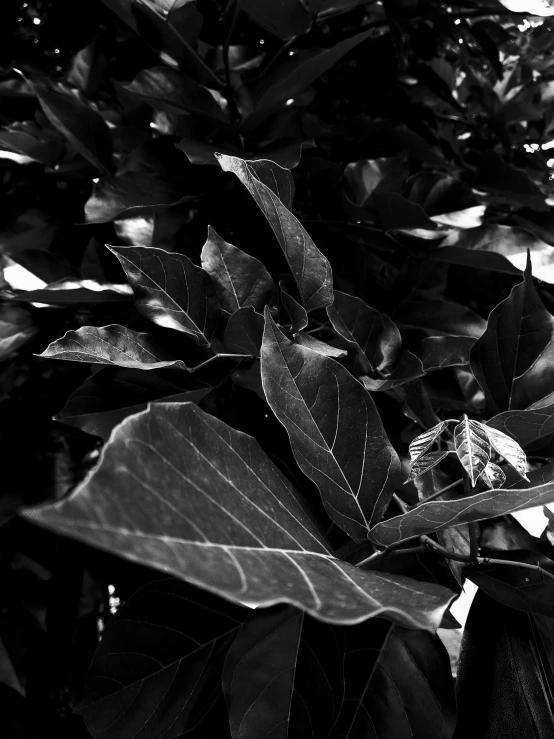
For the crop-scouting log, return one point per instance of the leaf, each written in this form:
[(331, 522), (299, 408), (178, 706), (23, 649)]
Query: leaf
[(408, 369), (311, 270), (110, 345), (293, 79), (335, 430), (475, 258), (473, 447), (493, 475), (369, 175), (286, 156), (437, 515), (315, 345), (17, 327), (156, 669), (513, 361), (109, 396), (441, 318), (425, 463), (130, 195), (507, 448), (297, 314), (239, 279), (170, 290), (396, 212), (375, 335), (85, 130), (76, 291), (422, 443), (289, 18), (244, 331), (178, 490), (46, 151), (456, 540), (529, 427), (437, 352), (494, 174)]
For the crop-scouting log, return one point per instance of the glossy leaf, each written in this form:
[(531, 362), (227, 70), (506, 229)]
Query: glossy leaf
[(156, 669), (178, 490), (493, 475), (509, 449), (425, 441), (437, 515), (239, 279), (335, 430), (244, 331), (425, 463), (473, 447), (110, 345), (170, 290), (311, 270), (514, 359), (437, 352)]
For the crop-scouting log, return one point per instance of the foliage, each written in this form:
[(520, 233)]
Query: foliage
[(276, 367)]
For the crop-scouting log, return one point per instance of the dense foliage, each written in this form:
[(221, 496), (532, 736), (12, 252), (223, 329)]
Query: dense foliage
[(277, 365)]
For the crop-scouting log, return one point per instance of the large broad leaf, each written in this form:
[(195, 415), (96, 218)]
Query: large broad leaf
[(111, 345), (158, 666), (437, 352), (473, 447), (170, 290), (335, 430), (514, 359), (239, 279), (438, 514), (271, 187), (85, 130), (180, 491), (531, 427), (375, 335)]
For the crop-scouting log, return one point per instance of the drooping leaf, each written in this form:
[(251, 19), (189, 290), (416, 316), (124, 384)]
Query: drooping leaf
[(311, 270), (507, 448), (244, 331), (530, 427), (375, 335), (170, 290), (437, 515), (425, 463), (111, 344), (335, 430), (396, 212), (514, 359), (158, 666), (473, 447), (425, 441), (84, 129), (493, 475), (179, 490), (239, 279), (437, 352)]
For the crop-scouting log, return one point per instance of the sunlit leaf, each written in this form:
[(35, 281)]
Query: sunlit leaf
[(507, 448), (310, 342), (425, 463), (179, 490), (335, 430), (473, 447), (425, 441), (493, 475)]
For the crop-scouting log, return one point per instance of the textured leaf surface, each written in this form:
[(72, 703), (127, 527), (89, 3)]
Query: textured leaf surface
[(425, 463), (153, 672), (271, 188), (507, 448), (321, 347), (493, 475), (437, 515), (437, 352), (425, 441), (170, 290), (514, 359), (239, 279), (335, 430), (110, 345), (473, 447), (180, 491)]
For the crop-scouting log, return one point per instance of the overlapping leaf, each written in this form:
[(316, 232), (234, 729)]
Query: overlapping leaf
[(297, 314), (271, 187), (426, 463), (335, 430), (180, 491), (437, 352), (239, 279), (473, 447), (530, 427), (244, 331), (493, 475), (170, 290), (437, 515), (514, 359), (111, 345), (422, 443), (507, 448)]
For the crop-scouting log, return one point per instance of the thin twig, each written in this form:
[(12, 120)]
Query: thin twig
[(514, 563), (438, 493), (219, 356)]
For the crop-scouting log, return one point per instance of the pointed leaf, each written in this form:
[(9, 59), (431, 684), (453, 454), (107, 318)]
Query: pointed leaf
[(425, 441), (156, 669), (425, 463), (473, 447), (530, 427), (178, 490), (507, 448), (408, 369), (514, 359), (493, 475), (437, 352), (311, 270), (239, 279), (310, 342), (170, 290), (244, 331), (297, 314), (375, 335), (335, 430), (436, 515), (110, 345)]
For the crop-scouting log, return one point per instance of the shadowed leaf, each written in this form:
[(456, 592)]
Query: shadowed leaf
[(437, 352), (244, 331)]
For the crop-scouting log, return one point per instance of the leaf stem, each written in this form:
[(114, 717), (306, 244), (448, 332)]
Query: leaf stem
[(437, 493), (389, 552), (219, 356), (473, 527)]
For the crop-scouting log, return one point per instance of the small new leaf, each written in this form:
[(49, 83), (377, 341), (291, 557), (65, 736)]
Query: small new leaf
[(472, 447), (509, 449), (425, 441), (493, 475), (425, 463)]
